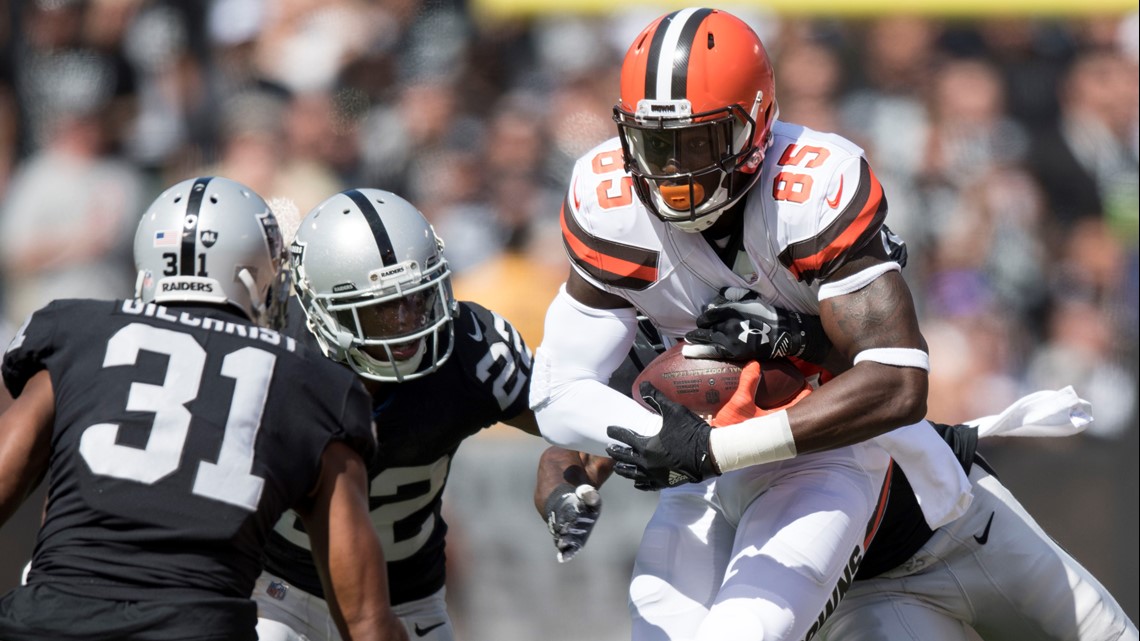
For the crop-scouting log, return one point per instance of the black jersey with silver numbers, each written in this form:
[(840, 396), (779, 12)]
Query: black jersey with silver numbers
[(181, 435), (420, 424)]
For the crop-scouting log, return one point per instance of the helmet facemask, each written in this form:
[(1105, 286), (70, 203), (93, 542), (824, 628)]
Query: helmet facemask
[(388, 333), (689, 168)]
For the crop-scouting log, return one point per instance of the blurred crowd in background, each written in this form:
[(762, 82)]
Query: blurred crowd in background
[(1008, 150)]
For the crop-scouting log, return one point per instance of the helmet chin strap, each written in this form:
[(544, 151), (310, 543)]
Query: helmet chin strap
[(139, 280), (376, 369), (256, 306)]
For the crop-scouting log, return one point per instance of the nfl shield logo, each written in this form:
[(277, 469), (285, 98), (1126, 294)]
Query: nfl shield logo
[(209, 238), (277, 590)]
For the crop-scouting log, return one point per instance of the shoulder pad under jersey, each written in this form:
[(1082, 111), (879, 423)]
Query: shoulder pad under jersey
[(34, 342), (608, 234), (828, 203), (494, 357)]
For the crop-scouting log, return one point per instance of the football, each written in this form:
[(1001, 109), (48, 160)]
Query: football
[(704, 385)]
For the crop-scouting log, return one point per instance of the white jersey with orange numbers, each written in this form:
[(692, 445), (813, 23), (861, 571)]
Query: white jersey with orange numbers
[(815, 203)]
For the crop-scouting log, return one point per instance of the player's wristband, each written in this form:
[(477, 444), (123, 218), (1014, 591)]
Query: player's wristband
[(759, 440), (897, 356)]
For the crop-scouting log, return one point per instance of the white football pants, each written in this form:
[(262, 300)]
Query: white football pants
[(762, 553), (993, 570), (291, 614)]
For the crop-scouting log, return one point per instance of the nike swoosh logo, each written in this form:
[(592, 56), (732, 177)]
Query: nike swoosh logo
[(421, 632), (574, 195), (476, 335), (985, 535), (834, 202)]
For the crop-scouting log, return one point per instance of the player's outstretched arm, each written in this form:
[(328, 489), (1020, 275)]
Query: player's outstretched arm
[(25, 443), (566, 496), (346, 550), (587, 335)]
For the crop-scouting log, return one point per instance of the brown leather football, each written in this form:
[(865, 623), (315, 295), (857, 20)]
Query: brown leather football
[(705, 385)]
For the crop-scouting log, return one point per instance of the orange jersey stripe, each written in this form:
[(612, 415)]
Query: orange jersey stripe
[(852, 236), (638, 267), (880, 509), (858, 224)]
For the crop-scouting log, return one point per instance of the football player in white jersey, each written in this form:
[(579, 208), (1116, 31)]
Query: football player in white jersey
[(703, 189), (992, 573)]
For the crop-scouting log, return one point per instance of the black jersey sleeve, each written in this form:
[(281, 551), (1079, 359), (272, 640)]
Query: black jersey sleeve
[(357, 429), (30, 348), (495, 358), (337, 402)]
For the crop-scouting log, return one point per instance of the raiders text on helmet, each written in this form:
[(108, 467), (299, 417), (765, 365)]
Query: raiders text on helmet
[(213, 240)]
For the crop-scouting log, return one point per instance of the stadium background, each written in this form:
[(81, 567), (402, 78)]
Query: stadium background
[(1004, 132)]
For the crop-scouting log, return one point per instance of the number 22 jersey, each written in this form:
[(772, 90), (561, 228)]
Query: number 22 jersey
[(419, 425)]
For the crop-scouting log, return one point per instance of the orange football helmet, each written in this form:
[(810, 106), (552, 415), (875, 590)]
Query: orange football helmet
[(697, 105)]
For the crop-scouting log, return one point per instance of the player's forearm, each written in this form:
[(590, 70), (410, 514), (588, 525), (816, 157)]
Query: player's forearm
[(358, 578), (875, 324), (25, 443), (348, 554), (558, 466), (868, 400), (581, 348), (577, 417)]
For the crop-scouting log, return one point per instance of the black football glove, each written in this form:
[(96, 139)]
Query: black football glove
[(678, 454), (737, 325), (570, 516)]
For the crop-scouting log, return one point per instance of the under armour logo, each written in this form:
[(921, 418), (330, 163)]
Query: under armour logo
[(746, 330)]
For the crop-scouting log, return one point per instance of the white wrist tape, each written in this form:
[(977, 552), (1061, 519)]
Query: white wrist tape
[(897, 356), (759, 440)]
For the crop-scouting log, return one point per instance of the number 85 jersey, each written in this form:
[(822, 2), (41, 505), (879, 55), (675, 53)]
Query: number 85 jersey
[(815, 204), (419, 425)]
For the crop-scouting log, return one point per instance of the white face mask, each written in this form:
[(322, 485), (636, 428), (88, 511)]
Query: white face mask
[(394, 370)]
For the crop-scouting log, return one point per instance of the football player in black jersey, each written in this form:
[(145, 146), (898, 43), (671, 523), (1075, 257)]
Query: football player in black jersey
[(174, 430), (375, 289)]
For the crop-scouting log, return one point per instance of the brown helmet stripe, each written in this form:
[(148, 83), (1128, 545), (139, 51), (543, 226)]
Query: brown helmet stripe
[(652, 60), (681, 53), (667, 65)]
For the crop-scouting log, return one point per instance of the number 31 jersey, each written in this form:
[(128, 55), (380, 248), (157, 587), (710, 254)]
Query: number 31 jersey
[(181, 435), (420, 424)]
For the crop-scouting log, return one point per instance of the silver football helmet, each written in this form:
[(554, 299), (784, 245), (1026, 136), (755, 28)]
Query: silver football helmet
[(213, 240), (374, 284)]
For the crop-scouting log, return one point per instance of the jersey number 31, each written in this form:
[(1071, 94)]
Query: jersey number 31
[(229, 480)]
